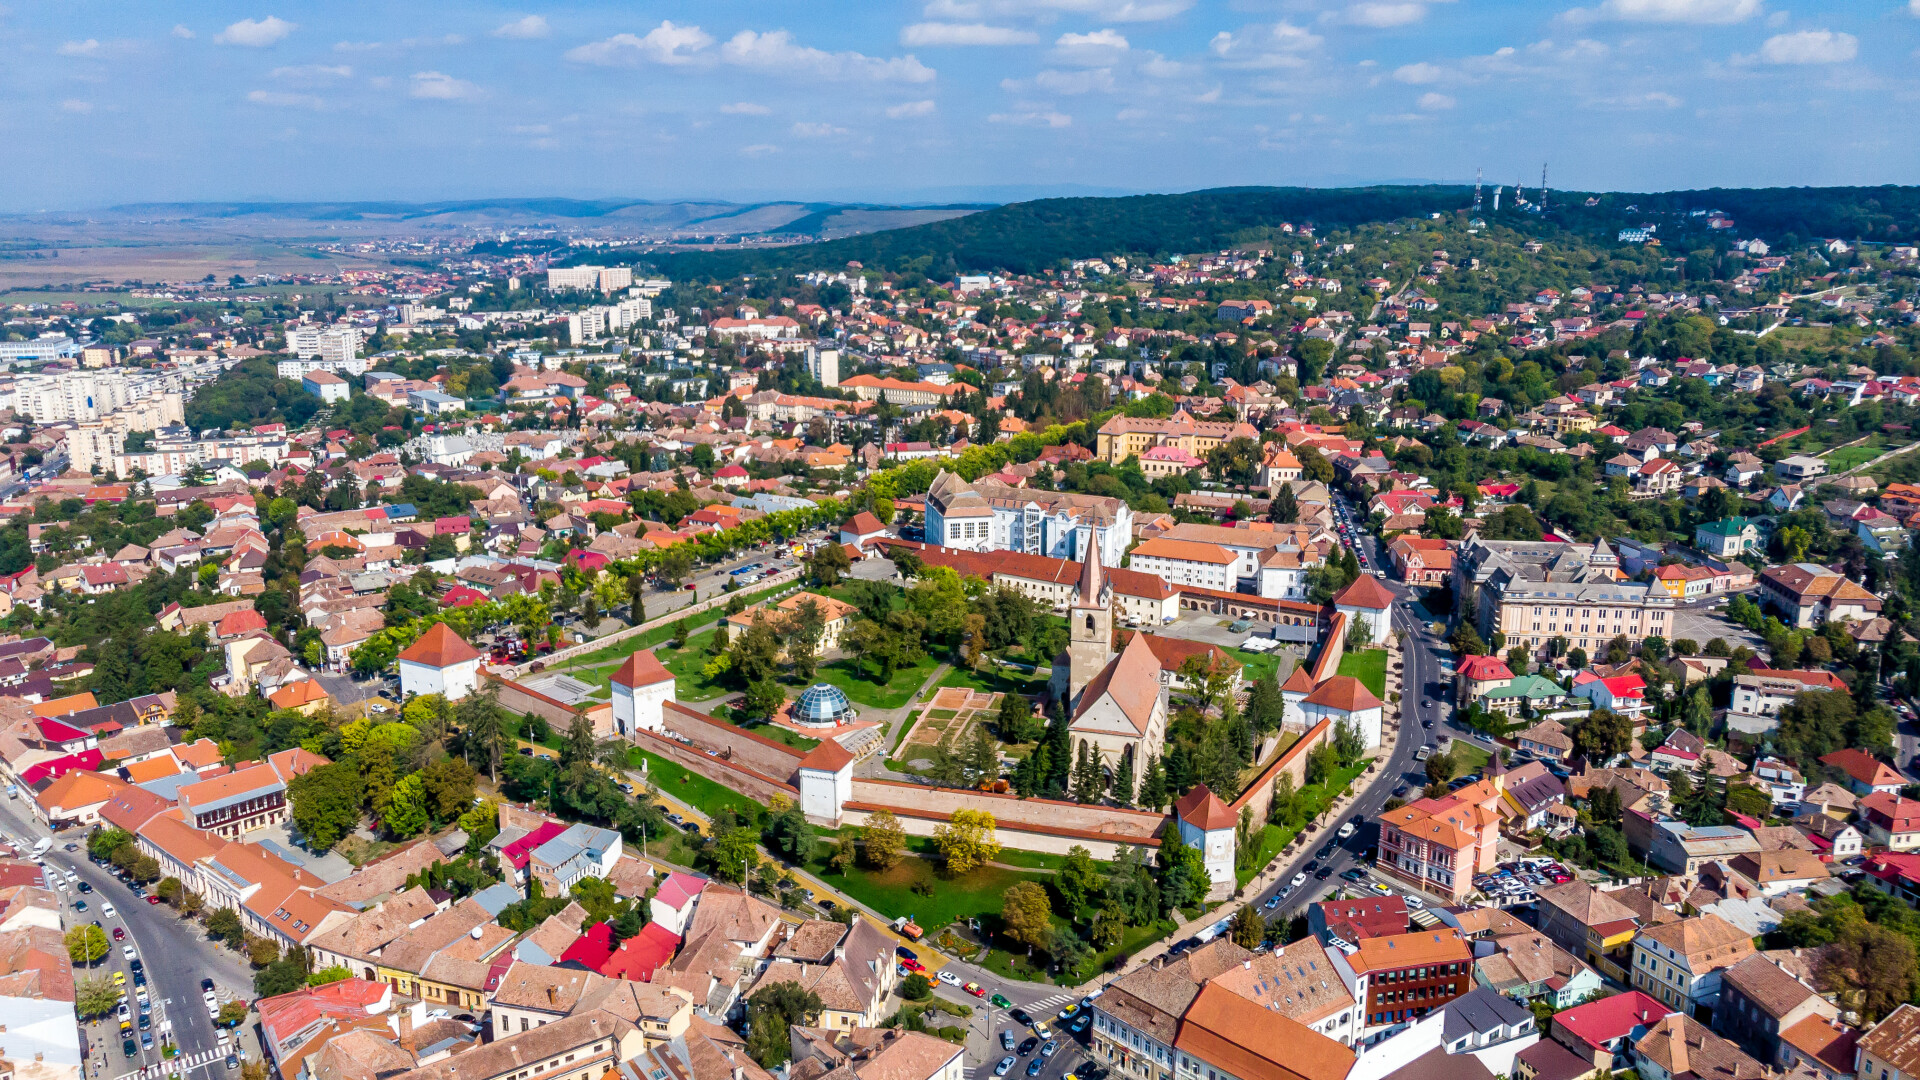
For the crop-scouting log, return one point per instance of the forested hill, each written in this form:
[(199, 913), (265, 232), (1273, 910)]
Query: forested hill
[(1030, 236)]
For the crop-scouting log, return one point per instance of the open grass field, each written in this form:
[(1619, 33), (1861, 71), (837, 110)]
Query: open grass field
[(1467, 758), (1848, 457), (1257, 666), (942, 898), (1370, 667), (856, 678)]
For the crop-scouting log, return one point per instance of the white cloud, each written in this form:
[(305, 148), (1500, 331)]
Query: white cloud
[(759, 150), (1278, 45), (1094, 49), (434, 86), (1695, 12), (1101, 10), (1914, 6), (1419, 74), (89, 47), (1809, 47), (525, 28), (255, 33), (1383, 13), (943, 33), (664, 44), (1032, 118), (312, 72), (909, 108), (1075, 82), (776, 52), (75, 105), (180, 31), (1431, 102), (279, 99), (745, 108), (808, 130)]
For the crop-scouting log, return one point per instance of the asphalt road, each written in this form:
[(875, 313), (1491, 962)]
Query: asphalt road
[(177, 955)]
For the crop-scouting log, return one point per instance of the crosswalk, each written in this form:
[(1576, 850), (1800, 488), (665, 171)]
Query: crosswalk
[(1042, 1009), (179, 1066)]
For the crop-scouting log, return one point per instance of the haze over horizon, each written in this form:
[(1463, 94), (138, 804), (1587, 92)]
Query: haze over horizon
[(946, 100)]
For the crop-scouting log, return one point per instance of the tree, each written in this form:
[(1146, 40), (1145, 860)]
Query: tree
[(483, 728), (233, 1013), (1440, 768), (448, 788), (788, 834), (1247, 929), (1870, 966), (1015, 719), (1078, 879), (224, 925), (87, 943), (1602, 735), (326, 803), (1286, 800), (1153, 788), (828, 563), (94, 997), (775, 1009), (1089, 778), (916, 987), (1466, 641), (885, 840), (407, 813), (1348, 743), (1026, 916), (731, 852), (966, 841)]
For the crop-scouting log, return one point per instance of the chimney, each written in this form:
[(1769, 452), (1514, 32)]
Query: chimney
[(406, 1030), (739, 1072)]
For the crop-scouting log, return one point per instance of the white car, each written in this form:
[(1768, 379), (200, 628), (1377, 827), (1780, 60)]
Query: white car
[(72, 878), (1348, 830), (949, 978), (1299, 879), (107, 910), (127, 951)]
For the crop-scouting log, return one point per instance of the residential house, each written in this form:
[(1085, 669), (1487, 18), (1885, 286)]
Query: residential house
[(1681, 963)]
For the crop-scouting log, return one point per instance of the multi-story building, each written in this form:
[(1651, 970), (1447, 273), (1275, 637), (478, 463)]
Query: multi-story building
[(990, 516), (1224, 1036), (584, 1046), (1808, 594), (1733, 537), (336, 347), (247, 799), (1301, 982), (584, 278), (1399, 978), (1759, 1000), (1533, 592), (1592, 925), (1128, 436), (1183, 562), (1680, 963), (1138, 599), (1438, 845), (1137, 1020)]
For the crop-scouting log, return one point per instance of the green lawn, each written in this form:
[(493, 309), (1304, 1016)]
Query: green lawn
[(620, 650), (994, 679), (1850, 456), (1370, 667), (891, 891), (1468, 758), (855, 677), (676, 782), (1256, 665)]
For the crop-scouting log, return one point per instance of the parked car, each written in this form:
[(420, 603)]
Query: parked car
[(975, 989), (949, 978), (1346, 831), (1006, 1039), (1005, 1067)]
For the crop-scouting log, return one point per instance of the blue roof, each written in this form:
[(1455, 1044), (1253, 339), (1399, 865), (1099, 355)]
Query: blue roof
[(821, 703), (497, 897)]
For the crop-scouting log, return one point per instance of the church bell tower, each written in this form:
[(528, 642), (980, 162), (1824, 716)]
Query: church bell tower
[(1091, 622)]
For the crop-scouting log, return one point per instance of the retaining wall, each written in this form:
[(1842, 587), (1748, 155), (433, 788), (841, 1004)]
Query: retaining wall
[(719, 599), (520, 699), (917, 824), (1026, 821)]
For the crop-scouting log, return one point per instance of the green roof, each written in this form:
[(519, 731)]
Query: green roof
[(1730, 527), (1527, 686)]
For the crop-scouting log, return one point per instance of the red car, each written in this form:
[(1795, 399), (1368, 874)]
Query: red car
[(152, 899), (975, 989), (119, 934)]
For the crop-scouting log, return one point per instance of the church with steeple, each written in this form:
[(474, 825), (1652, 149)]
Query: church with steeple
[(1116, 701)]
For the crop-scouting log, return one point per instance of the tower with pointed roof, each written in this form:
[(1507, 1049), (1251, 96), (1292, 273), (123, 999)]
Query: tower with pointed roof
[(640, 688), (1091, 622)]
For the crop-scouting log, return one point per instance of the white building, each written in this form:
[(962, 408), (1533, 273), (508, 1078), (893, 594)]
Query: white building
[(326, 386), (826, 781), (641, 689), (1207, 826), (337, 347), (439, 663), (989, 516), (1183, 562), (824, 365), (604, 278)]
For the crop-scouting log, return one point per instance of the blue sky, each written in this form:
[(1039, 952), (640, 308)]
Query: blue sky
[(942, 99)]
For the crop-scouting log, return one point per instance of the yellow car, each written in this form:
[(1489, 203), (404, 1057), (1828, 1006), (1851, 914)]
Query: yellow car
[(119, 978)]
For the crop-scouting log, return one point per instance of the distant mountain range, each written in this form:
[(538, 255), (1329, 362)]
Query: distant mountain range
[(668, 218)]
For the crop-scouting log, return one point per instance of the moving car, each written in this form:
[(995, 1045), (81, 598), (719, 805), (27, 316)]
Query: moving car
[(975, 989), (1000, 1001), (1020, 1017), (1005, 1067), (1067, 1013), (1298, 880), (1006, 1039), (1079, 1024), (119, 934), (1028, 1045), (1034, 1066), (949, 978), (1047, 1050), (108, 911)]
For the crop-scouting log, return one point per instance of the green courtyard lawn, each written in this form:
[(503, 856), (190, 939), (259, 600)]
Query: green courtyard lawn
[(1256, 666), (994, 679), (613, 655), (677, 782), (856, 678), (1370, 667)]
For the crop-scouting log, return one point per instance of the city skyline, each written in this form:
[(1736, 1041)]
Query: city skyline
[(948, 99)]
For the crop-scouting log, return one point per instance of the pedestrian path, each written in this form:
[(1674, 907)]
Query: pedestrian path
[(1047, 1006), (179, 1066)]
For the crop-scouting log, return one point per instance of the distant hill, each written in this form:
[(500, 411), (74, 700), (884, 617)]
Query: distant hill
[(1031, 236)]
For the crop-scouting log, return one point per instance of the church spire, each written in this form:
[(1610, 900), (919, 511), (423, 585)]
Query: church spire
[(1092, 580)]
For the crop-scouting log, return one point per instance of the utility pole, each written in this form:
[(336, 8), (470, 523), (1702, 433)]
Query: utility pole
[(1476, 190), (1543, 187)]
